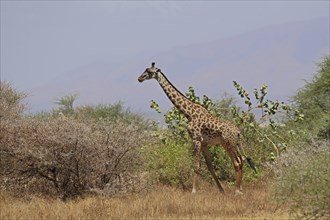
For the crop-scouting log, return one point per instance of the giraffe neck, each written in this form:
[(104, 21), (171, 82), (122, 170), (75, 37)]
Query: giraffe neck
[(177, 98)]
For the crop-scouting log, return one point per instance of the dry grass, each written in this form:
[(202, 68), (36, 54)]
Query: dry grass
[(165, 203)]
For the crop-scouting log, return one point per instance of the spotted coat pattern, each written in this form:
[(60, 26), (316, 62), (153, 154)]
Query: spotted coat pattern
[(204, 129)]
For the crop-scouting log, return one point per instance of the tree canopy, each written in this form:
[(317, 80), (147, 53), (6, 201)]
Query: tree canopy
[(313, 100)]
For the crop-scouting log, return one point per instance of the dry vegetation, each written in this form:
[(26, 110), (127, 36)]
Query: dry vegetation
[(66, 158), (106, 162), (163, 203)]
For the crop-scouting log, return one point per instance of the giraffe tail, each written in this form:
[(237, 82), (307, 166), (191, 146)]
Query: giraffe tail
[(251, 164), (248, 159)]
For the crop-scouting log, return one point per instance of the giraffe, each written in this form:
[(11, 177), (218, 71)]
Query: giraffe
[(204, 129)]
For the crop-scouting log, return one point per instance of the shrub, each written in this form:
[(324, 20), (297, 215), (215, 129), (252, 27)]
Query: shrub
[(70, 151), (302, 175), (11, 105), (109, 112), (100, 112), (67, 158), (314, 101), (170, 162)]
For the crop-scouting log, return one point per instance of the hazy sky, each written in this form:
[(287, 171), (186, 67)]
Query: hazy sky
[(44, 39)]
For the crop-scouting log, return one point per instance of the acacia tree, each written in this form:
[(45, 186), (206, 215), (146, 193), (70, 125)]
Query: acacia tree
[(66, 103), (302, 173), (314, 101)]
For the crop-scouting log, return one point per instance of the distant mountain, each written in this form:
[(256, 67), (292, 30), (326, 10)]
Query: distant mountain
[(281, 56)]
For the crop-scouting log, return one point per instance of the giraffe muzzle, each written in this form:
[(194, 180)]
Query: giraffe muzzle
[(140, 79)]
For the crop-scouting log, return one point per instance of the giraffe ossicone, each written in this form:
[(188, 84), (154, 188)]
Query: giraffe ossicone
[(204, 129)]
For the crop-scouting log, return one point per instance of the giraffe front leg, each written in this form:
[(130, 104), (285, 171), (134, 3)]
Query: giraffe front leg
[(197, 151)]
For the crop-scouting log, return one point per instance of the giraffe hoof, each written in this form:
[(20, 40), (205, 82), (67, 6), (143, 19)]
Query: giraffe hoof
[(222, 191), (238, 192)]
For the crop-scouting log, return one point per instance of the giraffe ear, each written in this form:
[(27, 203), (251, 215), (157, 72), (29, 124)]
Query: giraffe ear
[(159, 70)]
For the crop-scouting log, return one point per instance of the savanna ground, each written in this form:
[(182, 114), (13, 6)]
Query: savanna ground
[(163, 203), (107, 162)]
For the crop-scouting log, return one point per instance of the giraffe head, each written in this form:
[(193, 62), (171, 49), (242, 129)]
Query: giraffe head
[(149, 73)]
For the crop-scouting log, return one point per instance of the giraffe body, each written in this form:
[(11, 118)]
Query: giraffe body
[(204, 129)]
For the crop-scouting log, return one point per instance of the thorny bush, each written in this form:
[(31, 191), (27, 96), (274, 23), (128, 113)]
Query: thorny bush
[(67, 158), (302, 180)]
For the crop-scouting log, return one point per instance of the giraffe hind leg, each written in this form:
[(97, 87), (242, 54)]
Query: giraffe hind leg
[(208, 160), (238, 165)]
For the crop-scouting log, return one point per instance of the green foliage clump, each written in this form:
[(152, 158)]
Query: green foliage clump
[(170, 162), (313, 100), (96, 113), (266, 132), (108, 112)]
